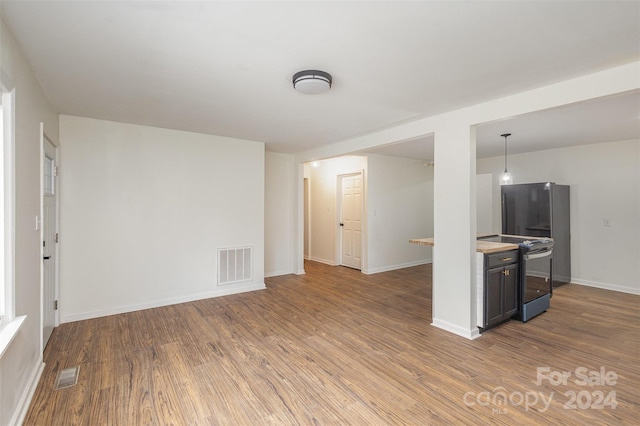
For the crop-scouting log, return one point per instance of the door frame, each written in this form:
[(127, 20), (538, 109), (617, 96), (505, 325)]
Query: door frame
[(307, 218), (43, 139), (338, 239)]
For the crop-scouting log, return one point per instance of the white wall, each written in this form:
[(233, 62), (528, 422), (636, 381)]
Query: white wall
[(400, 207), (454, 217), (144, 210), (605, 183), (323, 194), (484, 203), (279, 214), (21, 364)]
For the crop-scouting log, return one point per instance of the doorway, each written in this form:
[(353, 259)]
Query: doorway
[(321, 181), (49, 236)]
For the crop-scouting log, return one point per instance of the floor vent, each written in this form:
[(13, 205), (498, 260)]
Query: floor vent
[(67, 378), (234, 265)]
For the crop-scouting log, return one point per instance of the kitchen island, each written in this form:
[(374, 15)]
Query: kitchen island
[(485, 247), (497, 281)]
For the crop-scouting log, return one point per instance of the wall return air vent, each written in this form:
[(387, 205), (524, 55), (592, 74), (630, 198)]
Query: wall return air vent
[(234, 265)]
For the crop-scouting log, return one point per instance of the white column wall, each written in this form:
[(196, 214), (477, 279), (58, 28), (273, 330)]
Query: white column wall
[(144, 211), (454, 253), (280, 226)]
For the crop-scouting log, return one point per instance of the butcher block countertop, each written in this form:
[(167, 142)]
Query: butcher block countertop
[(481, 246)]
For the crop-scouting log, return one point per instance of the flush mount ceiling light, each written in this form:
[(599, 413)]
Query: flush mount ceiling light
[(505, 178), (312, 82)]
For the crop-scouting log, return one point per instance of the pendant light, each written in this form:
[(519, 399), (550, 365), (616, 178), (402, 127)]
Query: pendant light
[(505, 178)]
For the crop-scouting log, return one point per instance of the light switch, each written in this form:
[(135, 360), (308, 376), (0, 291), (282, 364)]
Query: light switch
[(606, 222)]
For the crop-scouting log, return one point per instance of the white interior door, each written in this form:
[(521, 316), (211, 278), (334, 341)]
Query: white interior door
[(49, 240), (351, 220)]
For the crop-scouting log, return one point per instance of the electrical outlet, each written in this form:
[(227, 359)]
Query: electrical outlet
[(606, 222)]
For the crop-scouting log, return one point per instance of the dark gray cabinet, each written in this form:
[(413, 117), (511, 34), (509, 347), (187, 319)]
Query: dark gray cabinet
[(501, 284)]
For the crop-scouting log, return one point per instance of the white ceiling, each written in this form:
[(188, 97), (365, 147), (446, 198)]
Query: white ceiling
[(607, 119), (225, 67)]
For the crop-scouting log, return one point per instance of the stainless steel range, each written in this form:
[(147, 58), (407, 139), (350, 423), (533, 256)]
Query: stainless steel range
[(536, 273), (536, 277)]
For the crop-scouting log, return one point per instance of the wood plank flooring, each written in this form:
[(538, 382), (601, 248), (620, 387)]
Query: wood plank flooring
[(336, 347)]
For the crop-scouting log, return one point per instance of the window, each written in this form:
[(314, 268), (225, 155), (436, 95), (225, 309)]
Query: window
[(48, 176)]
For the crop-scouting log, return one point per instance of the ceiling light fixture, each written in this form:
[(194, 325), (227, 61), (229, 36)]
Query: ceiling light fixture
[(505, 178), (312, 82)]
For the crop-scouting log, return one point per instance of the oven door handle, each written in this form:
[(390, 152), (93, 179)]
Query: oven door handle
[(538, 255)]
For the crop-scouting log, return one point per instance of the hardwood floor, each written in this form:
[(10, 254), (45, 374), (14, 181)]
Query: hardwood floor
[(339, 347)]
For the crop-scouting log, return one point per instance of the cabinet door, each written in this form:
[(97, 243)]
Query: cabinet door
[(510, 295), (493, 294)]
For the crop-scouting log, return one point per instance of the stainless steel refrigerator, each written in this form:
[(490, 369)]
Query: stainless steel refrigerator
[(541, 210)]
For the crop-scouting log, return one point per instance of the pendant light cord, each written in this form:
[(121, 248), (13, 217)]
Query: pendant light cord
[(505, 136), (505, 154)]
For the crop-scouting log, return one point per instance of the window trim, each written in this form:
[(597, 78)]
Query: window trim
[(9, 331), (9, 324)]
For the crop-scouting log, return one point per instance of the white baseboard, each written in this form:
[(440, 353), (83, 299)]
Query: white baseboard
[(470, 334), (293, 270), (278, 273), (326, 262), (27, 395), (371, 271), (605, 286), (219, 291)]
